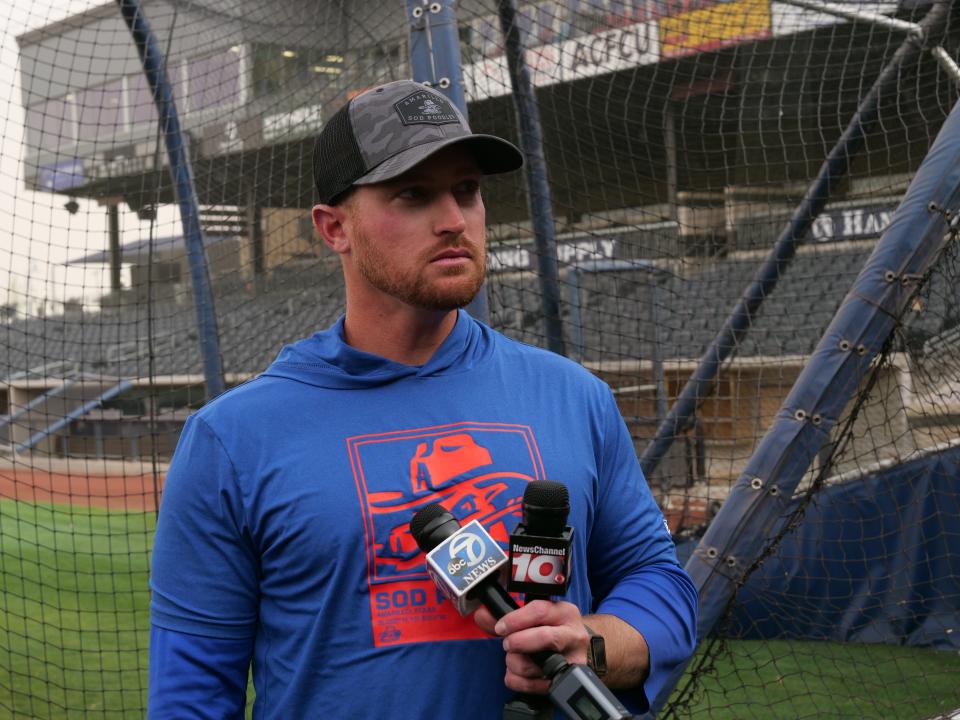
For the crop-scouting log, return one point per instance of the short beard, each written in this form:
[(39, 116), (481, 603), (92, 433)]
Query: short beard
[(409, 287)]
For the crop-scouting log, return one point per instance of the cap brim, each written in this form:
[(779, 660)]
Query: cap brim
[(494, 155)]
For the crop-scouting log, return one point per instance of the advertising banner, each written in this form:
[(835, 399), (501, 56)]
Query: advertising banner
[(714, 27)]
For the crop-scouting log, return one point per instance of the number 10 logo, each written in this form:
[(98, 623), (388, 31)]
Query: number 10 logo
[(541, 569)]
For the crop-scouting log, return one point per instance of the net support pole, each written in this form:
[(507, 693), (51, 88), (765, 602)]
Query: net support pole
[(538, 186), (254, 221), (837, 165), (181, 176), (113, 231), (435, 62), (858, 15), (753, 513), (947, 63)]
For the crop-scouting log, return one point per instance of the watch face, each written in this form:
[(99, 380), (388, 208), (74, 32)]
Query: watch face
[(597, 655)]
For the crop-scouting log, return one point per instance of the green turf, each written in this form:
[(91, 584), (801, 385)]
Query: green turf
[(780, 679), (74, 626), (74, 622)]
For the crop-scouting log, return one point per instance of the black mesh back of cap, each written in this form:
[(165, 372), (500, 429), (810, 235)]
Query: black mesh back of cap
[(337, 161)]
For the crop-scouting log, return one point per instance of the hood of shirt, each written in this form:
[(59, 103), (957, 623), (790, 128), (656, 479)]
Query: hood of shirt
[(326, 360)]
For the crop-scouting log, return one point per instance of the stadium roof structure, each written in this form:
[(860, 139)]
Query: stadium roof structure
[(250, 140), (141, 251)]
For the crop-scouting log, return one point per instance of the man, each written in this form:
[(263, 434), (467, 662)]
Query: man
[(283, 532)]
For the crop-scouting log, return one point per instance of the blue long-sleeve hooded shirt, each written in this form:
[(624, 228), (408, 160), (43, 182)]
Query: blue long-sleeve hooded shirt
[(284, 529)]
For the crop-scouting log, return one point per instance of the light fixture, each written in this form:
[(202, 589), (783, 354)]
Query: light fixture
[(334, 58), (324, 70), (289, 53), (235, 49)]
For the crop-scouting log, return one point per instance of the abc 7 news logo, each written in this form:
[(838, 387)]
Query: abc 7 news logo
[(466, 551), (538, 568)]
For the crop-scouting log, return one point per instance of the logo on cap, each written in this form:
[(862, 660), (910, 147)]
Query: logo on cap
[(426, 108)]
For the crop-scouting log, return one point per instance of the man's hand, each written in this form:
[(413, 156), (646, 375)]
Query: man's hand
[(552, 626), (559, 627)]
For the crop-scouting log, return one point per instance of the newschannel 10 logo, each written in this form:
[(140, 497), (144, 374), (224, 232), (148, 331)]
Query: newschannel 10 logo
[(539, 564)]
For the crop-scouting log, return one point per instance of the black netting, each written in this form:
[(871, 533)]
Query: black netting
[(679, 138)]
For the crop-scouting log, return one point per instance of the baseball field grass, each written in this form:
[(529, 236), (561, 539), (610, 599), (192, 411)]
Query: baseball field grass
[(74, 627), (74, 611), (794, 679)]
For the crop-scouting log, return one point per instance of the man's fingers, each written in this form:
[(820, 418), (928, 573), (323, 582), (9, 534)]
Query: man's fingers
[(522, 666), (536, 627), (524, 675), (569, 641), (544, 637), (524, 685), (485, 620), (536, 614)]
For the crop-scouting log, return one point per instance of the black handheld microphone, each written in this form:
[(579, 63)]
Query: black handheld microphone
[(541, 544), (465, 563), (540, 561)]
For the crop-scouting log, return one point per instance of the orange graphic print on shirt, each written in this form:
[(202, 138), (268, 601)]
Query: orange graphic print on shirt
[(477, 471)]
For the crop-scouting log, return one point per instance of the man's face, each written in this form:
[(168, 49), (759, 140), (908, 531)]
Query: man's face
[(420, 238)]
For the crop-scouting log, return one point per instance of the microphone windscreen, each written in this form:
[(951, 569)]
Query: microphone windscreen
[(423, 518), (432, 525), (546, 505), (547, 493)]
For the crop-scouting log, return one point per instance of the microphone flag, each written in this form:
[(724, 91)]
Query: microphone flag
[(463, 561)]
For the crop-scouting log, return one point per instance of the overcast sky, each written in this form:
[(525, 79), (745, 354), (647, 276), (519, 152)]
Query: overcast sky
[(37, 235)]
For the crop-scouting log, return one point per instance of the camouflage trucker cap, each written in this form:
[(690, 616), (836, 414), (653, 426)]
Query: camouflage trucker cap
[(385, 131)]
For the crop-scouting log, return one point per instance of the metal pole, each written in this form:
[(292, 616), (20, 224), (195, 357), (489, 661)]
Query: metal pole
[(538, 187), (113, 218), (576, 317), (659, 377), (837, 164), (254, 219), (857, 15), (181, 175), (670, 156), (435, 61), (948, 64)]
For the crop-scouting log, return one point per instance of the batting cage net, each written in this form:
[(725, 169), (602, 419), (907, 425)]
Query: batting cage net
[(712, 219)]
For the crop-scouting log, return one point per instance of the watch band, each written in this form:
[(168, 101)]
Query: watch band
[(596, 652)]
